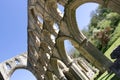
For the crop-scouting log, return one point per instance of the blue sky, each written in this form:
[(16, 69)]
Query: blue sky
[(13, 33), (13, 25), (83, 14)]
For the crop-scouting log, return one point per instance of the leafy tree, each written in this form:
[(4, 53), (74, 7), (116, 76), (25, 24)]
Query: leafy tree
[(104, 28), (114, 35)]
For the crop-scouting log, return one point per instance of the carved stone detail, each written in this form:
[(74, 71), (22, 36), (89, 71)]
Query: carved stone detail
[(48, 28)]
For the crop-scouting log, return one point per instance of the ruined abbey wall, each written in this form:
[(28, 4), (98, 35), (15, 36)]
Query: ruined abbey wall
[(48, 28)]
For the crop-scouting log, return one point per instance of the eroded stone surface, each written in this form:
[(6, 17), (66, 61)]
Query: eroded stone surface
[(48, 28)]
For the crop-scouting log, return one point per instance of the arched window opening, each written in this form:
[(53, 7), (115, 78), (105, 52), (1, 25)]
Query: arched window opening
[(52, 38), (40, 19), (88, 18), (69, 48), (17, 61), (80, 57), (60, 9), (56, 27), (99, 25), (22, 74), (8, 66), (40, 22), (83, 14)]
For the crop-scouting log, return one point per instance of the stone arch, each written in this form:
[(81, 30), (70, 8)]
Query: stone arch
[(9, 66), (24, 72), (71, 19), (67, 60), (68, 30), (78, 36)]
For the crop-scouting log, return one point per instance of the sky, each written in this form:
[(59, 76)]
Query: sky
[(13, 33), (83, 14)]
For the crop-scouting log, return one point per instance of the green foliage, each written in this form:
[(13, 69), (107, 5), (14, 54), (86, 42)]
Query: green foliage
[(114, 36), (76, 54), (102, 19), (85, 32), (112, 16), (94, 20), (103, 30), (103, 24)]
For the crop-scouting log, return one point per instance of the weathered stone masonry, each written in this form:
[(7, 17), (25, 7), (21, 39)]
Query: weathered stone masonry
[(48, 28)]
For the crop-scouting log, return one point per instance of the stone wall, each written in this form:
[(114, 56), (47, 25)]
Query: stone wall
[(48, 28)]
